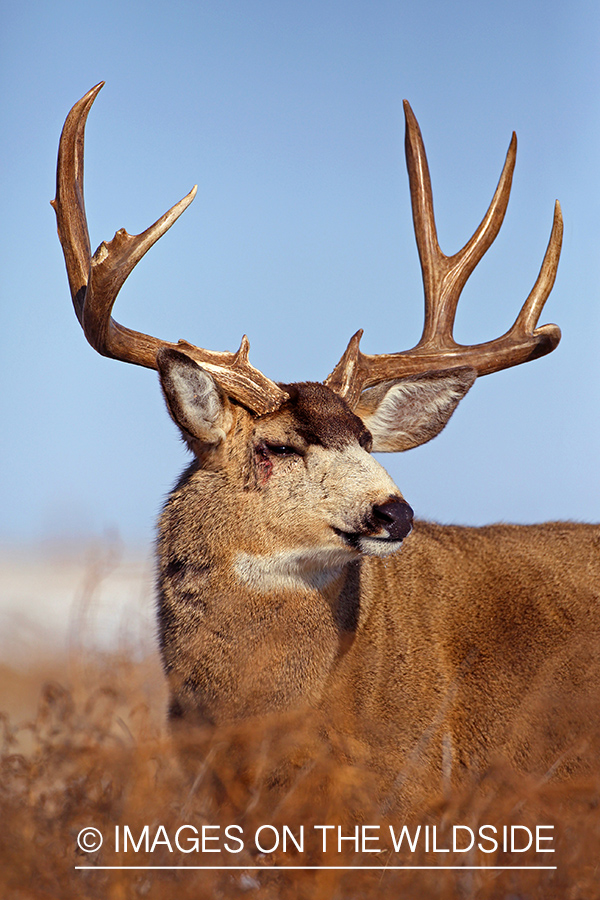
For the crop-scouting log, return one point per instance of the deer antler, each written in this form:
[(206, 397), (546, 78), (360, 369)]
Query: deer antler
[(96, 280), (444, 278)]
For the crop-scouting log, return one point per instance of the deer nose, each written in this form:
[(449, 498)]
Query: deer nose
[(396, 516)]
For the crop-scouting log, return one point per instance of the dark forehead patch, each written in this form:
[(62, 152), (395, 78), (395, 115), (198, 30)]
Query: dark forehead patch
[(321, 417)]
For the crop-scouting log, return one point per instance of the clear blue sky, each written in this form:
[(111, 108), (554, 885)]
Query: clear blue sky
[(288, 116)]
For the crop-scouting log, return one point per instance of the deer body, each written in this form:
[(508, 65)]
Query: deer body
[(448, 648), (288, 574)]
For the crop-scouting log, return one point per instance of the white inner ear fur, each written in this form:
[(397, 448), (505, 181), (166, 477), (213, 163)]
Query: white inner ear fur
[(194, 400), (404, 413)]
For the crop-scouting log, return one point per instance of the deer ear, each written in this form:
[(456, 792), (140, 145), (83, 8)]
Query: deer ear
[(196, 403), (406, 412)]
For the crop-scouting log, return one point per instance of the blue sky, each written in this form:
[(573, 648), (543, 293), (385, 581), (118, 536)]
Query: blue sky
[(288, 116)]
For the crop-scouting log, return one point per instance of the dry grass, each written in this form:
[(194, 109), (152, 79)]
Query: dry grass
[(96, 752), (84, 743)]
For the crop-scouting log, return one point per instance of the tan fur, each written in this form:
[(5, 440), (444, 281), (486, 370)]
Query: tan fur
[(466, 643)]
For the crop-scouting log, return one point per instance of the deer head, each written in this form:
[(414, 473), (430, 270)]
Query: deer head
[(287, 445)]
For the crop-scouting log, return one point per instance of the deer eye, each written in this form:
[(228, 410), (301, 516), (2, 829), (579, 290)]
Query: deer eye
[(282, 450)]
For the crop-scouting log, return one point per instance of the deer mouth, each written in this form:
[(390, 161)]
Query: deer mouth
[(369, 544)]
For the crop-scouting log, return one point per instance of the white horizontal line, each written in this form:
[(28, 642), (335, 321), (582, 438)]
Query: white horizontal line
[(337, 868)]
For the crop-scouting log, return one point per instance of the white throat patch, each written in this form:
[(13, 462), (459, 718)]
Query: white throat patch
[(291, 570)]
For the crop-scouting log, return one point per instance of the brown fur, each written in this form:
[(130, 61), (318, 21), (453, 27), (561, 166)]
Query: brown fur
[(466, 644)]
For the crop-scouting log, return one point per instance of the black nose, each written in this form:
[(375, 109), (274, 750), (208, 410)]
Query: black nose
[(395, 516)]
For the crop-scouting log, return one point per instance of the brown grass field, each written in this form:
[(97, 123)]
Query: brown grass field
[(85, 744)]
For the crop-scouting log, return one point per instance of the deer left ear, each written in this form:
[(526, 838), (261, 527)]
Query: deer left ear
[(406, 412)]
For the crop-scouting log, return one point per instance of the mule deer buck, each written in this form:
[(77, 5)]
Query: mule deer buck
[(282, 582)]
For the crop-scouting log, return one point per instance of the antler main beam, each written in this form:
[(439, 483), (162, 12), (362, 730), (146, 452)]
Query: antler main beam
[(444, 278), (96, 280)]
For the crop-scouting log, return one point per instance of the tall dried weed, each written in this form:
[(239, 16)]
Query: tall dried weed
[(97, 753), (94, 750)]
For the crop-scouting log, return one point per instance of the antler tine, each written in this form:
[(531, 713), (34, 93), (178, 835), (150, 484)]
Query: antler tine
[(532, 308), (443, 280), (110, 266), (445, 276), (69, 204), (96, 280)]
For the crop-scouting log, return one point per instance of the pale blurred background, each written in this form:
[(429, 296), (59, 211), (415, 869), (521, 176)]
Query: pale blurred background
[(288, 116)]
